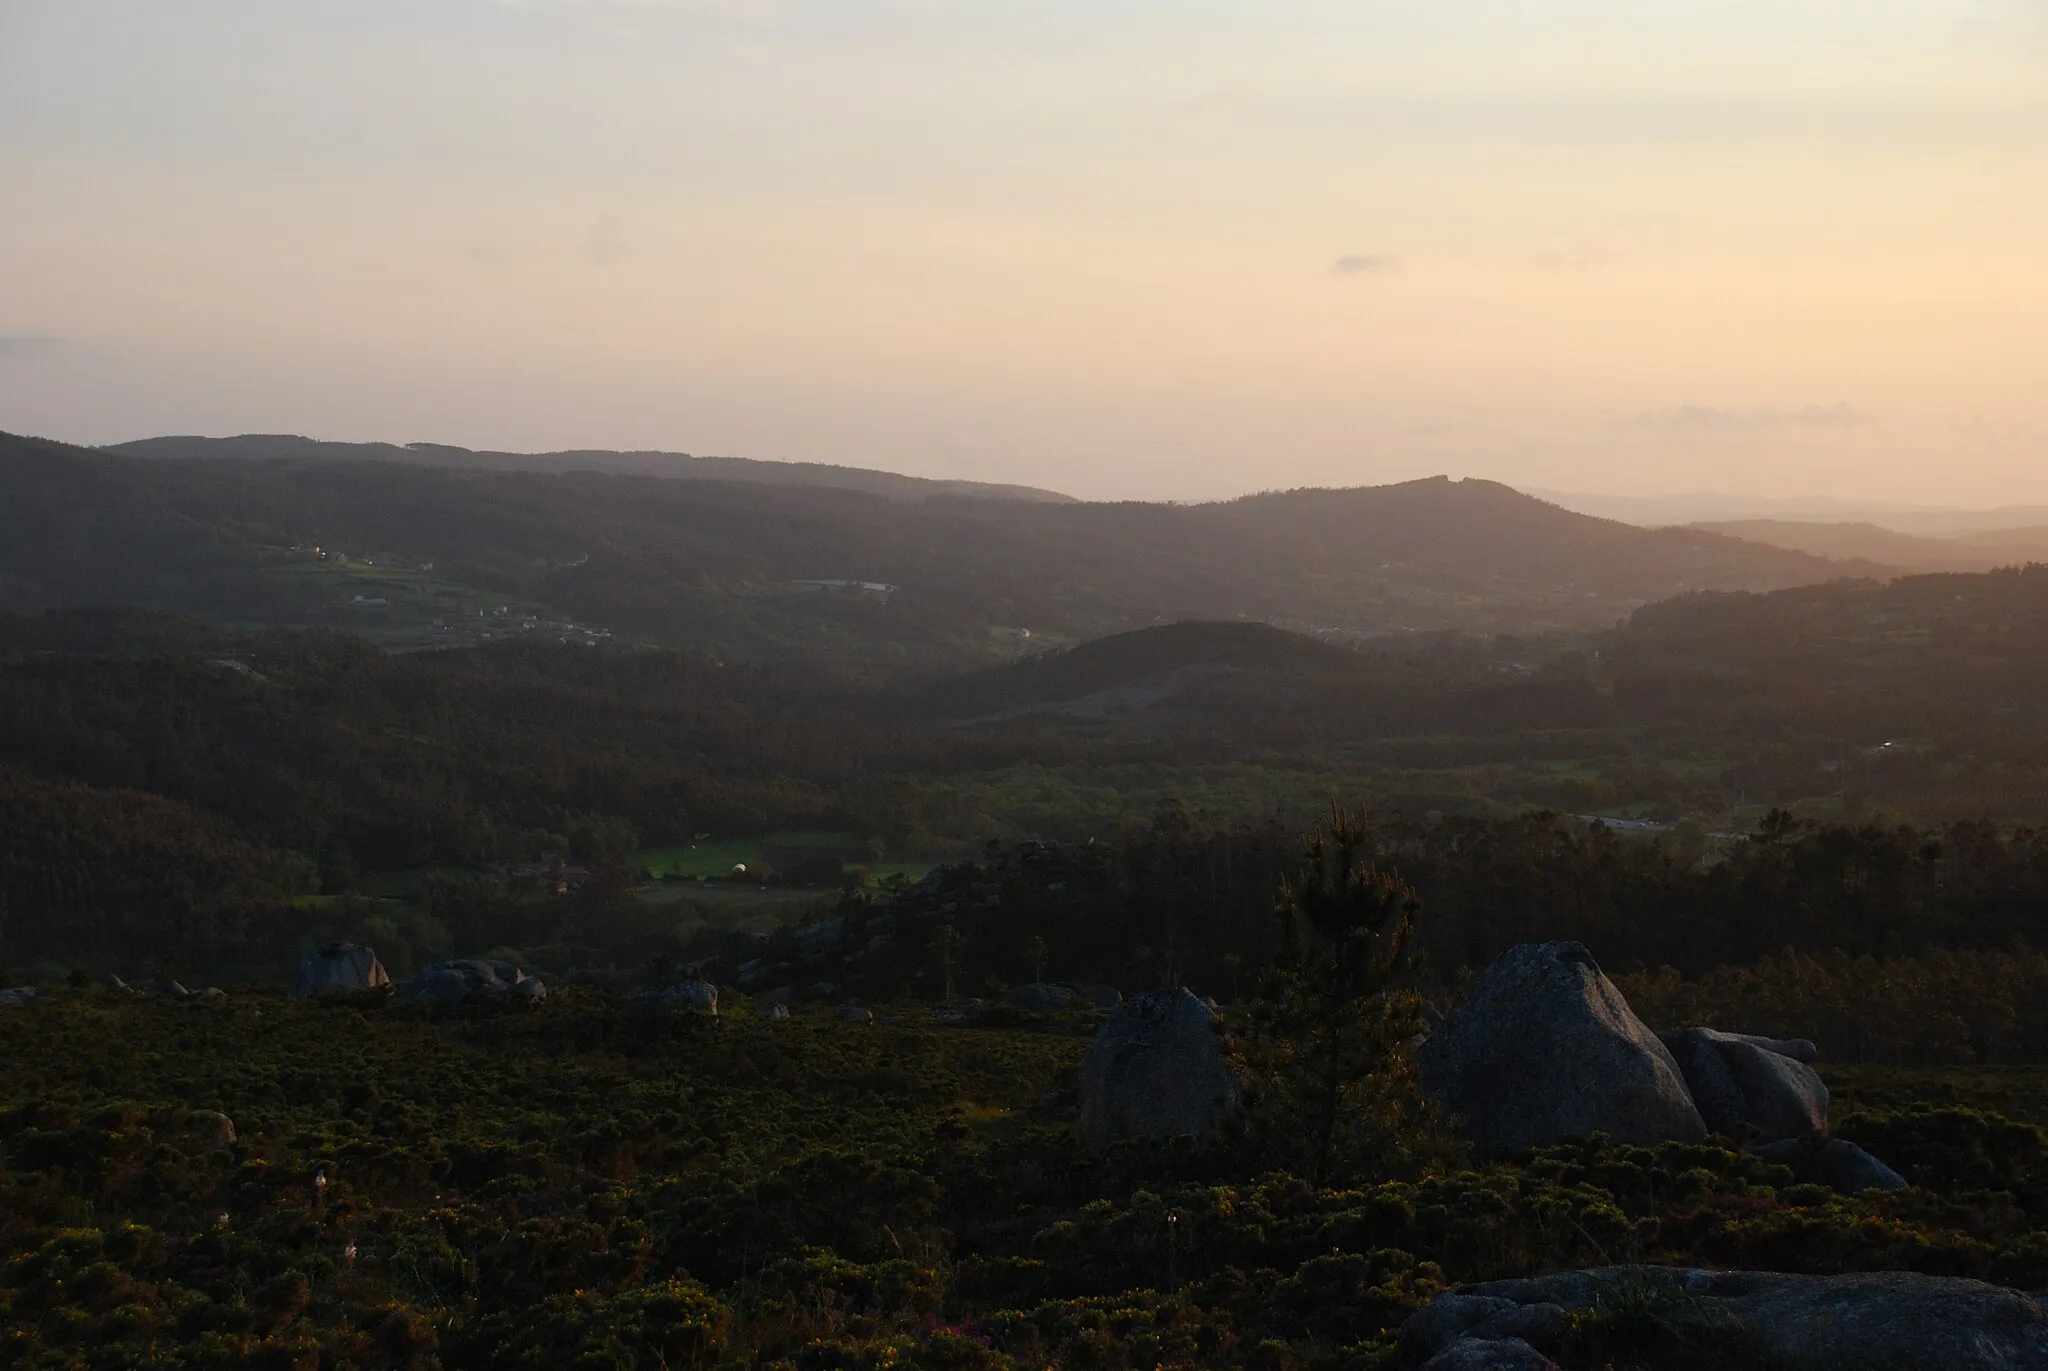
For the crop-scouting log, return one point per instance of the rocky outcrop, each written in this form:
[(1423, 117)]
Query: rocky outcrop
[(1880, 1321), (1104, 996), (1833, 1162), (209, 1128), (1156, 1069), (20, 994), (338, 969), (453, 982), (1043, 998), (1542, 1047), (1739, 1082), (854, 1013), (686, 997), (1489, 1354)]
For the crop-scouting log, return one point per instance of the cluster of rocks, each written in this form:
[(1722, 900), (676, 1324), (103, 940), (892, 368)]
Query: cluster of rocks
[(466, 978), (1542, 1048), (28, 994), (1885, 1319), (340, 968)]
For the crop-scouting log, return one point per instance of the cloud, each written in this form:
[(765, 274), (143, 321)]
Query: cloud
[(1366, 264), (13, 345), (1704, 419)]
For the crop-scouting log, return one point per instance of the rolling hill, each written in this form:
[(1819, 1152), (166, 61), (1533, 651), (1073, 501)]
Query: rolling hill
[(846, 580), (673, 465)]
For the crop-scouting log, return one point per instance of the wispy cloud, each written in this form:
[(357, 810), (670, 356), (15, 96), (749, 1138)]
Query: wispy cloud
[(1705, 419), (1366, 264), (14, 345)]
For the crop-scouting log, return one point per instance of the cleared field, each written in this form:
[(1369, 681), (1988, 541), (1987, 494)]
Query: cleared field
[(711, 859)]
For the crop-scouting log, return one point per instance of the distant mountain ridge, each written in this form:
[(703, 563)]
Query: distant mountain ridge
[(1981, 551), (672, 465), (1716, 509), (417, 554)]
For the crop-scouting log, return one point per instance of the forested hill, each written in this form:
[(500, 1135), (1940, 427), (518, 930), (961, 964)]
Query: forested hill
[(673, 465), (847, 581)]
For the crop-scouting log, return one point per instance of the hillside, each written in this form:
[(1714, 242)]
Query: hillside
[(1254, 685), (1155, 676), (1928, 691), (672, 465), (416, 555)]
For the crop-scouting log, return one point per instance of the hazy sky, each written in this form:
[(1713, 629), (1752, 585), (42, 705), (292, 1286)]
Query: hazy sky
[(1121, 247)]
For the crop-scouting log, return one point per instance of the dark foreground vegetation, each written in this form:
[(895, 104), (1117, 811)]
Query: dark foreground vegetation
[(565, 1187)]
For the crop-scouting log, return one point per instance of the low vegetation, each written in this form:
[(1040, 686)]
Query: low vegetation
[(568, 1187)]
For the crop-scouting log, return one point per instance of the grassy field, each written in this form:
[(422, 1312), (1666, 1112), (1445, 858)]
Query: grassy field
[(420, 609), (710, 859)]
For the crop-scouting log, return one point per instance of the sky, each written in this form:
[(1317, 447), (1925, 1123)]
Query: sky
[(1122, 248)]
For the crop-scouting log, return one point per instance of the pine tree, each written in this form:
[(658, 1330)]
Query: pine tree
[(1329, 1033)]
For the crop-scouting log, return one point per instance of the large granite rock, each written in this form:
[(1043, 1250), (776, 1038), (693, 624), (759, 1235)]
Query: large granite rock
[(1739, 1082), (1542, 1047), (465, 978), (686, 997), (1156, 1069), (1833, 1162), (1043, 998), (337, 969), (1877, 1321)]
